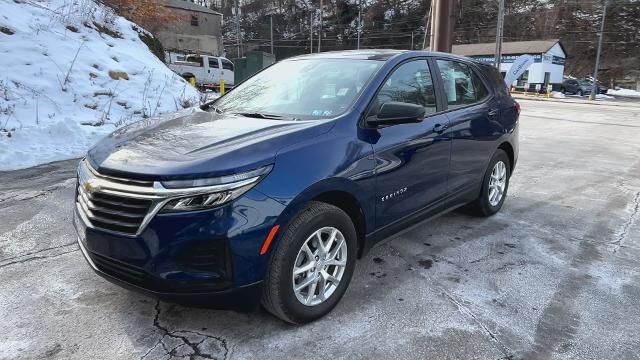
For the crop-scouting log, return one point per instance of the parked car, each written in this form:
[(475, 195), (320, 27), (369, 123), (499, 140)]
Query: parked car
[(207, 71), (270, 193), (581, 87)]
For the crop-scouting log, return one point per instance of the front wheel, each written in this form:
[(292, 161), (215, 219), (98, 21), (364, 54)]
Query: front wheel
[(312, 265), (580, 93), (494, 186)]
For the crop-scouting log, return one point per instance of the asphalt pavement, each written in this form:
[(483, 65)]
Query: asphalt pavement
[(554, 275)]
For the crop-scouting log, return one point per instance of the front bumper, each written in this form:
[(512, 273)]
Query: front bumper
[(207, 258), (242, 298)]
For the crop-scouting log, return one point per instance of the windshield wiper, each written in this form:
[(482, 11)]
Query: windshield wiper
[(259, 115), (210, 106)]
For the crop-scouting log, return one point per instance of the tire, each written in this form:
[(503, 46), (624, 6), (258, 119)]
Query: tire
[(279, 297), (562, 90), (580, 93), (483, 205)]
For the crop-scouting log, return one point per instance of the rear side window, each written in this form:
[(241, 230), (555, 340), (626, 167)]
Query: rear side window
[(410, 83), (462, 86), (213, 63), (496, 79), (227, 65)]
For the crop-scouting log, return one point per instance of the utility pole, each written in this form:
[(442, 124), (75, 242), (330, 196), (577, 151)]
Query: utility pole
[(412, 40), (359, 21), (442, 21), (426, 27), (271, 18), (320, 30), (592, 96), (238, 30), (499, 34)]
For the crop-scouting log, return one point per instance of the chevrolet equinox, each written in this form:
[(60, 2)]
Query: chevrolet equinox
[(270, 193)]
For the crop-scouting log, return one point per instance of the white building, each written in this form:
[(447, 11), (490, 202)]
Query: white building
[(549, 56)]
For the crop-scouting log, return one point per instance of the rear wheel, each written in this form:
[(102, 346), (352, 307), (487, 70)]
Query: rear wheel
[(494, 186), (312, 265)]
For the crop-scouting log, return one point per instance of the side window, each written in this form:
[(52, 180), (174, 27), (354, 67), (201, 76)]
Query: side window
[(462, 85), (409, 83), (195, 59), (481, 91), (227, 65), (213, 63)]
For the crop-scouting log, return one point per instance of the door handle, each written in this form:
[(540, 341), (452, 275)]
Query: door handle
[(440, 128), (492, 113)]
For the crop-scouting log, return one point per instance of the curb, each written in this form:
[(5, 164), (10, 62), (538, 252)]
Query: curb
[(586, 102)]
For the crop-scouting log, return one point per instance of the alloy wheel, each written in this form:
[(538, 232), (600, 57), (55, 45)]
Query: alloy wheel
[(497, 183), (319, 266)]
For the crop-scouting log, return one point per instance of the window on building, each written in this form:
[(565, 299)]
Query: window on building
[(194, 20), (523, 79)]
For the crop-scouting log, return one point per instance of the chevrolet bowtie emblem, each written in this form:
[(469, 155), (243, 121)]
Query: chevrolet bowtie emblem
[(89, 185)]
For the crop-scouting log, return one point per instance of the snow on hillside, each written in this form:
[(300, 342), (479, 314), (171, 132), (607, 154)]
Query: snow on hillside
[(58, 95)]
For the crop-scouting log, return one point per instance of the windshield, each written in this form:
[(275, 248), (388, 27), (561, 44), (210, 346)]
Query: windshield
[(301, 89), (585, 82)]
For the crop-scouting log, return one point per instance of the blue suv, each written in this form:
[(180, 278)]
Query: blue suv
[(270, 193)]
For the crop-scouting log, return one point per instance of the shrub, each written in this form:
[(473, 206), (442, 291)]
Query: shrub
[(153, 44)]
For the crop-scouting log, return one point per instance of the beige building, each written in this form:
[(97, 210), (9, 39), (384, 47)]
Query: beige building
[(199, 29)]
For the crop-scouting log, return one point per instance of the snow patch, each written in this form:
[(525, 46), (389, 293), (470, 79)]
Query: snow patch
[(603, 97), (57, 97), (624, 92)]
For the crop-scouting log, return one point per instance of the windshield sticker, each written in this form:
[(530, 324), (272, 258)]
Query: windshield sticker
[(321, 113)]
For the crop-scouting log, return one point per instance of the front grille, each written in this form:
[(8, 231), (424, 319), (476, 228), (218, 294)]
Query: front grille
[(124, 181), (113, 212), (115, 204)]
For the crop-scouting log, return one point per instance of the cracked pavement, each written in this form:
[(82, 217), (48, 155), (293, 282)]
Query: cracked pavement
[(555, 275)]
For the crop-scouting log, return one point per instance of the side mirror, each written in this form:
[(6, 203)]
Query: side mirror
[(393, 113)]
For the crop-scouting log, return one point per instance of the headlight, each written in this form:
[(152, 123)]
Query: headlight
[(229, 187)]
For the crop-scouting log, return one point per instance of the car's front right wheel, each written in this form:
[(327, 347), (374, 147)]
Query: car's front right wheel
[(312, 264)]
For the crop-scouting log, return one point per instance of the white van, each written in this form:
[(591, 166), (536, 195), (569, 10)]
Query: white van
[(207, 70)]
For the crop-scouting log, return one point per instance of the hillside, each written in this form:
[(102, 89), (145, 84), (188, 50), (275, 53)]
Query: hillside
[(77, 72)]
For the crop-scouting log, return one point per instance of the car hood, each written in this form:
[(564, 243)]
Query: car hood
[(195, 143)]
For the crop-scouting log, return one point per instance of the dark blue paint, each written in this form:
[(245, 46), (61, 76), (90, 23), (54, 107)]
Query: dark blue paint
[(310, 158)]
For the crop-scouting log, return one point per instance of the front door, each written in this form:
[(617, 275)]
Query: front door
[(213, 72), (412, 160)]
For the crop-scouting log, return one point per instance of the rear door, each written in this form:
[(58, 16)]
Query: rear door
[(227, 71), (412, 160), (474, 113)]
